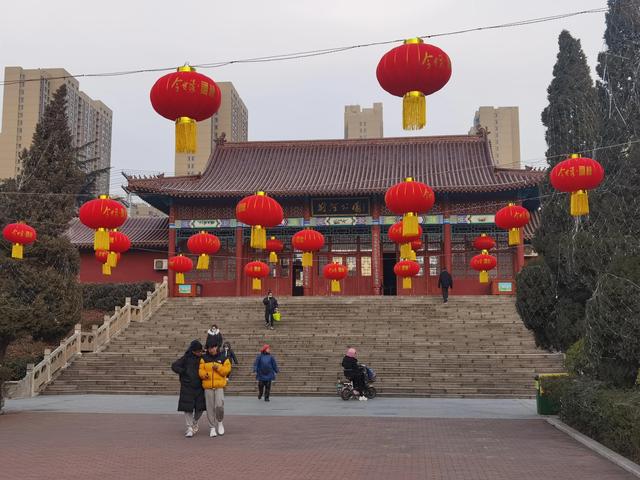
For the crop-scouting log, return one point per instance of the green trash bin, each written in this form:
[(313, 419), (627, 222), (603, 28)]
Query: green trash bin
[(545, 404)]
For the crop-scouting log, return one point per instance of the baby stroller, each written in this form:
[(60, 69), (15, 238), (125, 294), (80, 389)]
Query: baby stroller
[(345, 387)]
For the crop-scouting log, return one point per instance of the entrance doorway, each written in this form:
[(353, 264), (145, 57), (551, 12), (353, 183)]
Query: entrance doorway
[(297, 279), (389, 285)]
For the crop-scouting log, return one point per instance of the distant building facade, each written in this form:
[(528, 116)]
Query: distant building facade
[(232, 119), (363, 122), (26, 94), (144, 210), (503, 126)]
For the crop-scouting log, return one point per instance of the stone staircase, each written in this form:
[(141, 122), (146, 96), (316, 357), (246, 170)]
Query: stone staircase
[(474, 346)]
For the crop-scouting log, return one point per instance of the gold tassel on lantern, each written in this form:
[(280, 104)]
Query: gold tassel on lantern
[(112, 259), (179, 278), (579, 203), (273, 257), (414, 111), (412, 255), (258, 237), (514, 236), (17, 251), (106, 269), (484, 276), (410, 225), (203, 262), (307, 259), (405, 250), (186, 135), (101, 239), (256, 284), (335, 286), (406, 282)]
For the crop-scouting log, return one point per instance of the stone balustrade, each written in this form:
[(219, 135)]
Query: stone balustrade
[(40, 375)]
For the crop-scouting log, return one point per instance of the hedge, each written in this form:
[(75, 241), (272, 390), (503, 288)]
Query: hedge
[(610, 416), (107, 296)]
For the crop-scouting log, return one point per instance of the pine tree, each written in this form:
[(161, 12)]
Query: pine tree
[(551, 298), (39, 295), (614, 222)]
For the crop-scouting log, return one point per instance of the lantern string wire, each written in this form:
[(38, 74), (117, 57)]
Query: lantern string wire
[(319, 52)]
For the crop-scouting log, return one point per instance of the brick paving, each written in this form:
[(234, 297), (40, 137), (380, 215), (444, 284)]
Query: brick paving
[(127, 446)]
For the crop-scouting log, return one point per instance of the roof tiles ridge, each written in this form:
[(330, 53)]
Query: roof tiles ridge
[(343, 141)]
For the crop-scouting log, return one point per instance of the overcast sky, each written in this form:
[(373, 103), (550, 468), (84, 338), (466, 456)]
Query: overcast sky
[(299, 99)]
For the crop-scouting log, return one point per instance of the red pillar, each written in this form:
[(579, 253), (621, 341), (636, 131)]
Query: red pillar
[(172, 249), (239, 259), (308, 273), (376, 251), (446, 230)]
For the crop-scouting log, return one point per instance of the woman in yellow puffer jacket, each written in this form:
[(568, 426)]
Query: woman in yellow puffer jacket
[(213, 371)]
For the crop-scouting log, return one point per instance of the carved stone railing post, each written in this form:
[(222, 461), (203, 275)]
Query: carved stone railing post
[(47, 360), (29, 378)]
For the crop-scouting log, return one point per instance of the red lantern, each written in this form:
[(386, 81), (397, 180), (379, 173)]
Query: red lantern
[(417, 245), (274, 246), (256, 271), (409, 198), (261, 212), (203, 244), (406, 269), (103, 257), (185, 97), (577, 175), (412, 71), (181, 265), (484, 242), (483, 263), (118, 244), (335, 272), (405, 241), (307, 241), (512, 218), (19, 234), (102, 214)]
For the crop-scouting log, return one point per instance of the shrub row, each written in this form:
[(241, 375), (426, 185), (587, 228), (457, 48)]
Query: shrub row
[(107, 296)]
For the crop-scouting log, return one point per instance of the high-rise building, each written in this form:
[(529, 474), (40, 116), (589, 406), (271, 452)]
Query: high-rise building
[(232, 120), (503, 129), (363, 122), (26, 94)]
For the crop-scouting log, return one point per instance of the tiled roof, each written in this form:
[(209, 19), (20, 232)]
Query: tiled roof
[(531, 227), (142, 231), (460, 163)]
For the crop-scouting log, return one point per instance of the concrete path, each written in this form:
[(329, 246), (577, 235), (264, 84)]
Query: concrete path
[(288, 406)]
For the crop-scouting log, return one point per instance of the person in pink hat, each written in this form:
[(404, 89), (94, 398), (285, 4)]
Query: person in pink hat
[(353, 372)]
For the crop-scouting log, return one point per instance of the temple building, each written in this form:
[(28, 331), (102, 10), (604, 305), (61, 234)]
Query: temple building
[(336, 187)]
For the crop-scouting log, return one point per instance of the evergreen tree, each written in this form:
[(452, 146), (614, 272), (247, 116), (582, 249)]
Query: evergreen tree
[(614, 221), (39, 295), (551, 299)]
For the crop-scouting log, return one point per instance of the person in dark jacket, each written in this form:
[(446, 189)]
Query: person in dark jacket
[(191, 400), (266, 369), (227, 352), (270, 307), (445, 282), (214, 337), (353, 371)]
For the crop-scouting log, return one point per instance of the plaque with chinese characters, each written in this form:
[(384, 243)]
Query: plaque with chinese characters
[(322, 207)]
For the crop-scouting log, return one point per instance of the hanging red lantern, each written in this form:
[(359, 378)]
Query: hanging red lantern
[(261, 212), (335, 272), (307, 241), (101, 215), (19, 234), (118, 244), (181, 265), (406, 269), (512, 218), (484, 242), (577, 175), (409, 198), (417, 245), (103, 257), (186, 97), (483, 263), (412, 71), (203, 244), (405, 241), (274, 246), (256, 271)]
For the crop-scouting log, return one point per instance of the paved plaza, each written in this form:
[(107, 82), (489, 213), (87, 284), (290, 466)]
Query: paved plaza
[(291, 438)]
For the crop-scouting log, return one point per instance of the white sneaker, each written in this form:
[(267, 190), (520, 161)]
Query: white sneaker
[(195, 428), (220, 429), (363, 398), (212, 432), (189, 433)]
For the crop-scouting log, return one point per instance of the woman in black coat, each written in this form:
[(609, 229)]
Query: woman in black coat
[(191, 400)]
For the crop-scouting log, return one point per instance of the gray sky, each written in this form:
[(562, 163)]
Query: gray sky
[(299, 99)]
